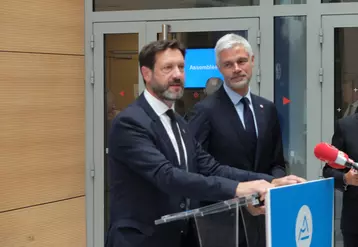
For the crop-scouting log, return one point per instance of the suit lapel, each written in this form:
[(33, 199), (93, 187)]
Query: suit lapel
[(259, 110), (228, 111), (159, 129)]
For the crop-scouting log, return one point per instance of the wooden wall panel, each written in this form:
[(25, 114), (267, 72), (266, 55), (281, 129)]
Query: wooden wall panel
[(60, 224), (42, 128), (49, 26)]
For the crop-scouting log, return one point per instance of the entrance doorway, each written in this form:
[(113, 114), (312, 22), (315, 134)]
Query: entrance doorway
[(117, 80), (340, 83)]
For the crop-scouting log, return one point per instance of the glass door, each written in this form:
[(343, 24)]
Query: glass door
[(116, 83), (340, 82), (200, 37)]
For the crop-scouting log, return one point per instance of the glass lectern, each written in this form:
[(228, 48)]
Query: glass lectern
[(217, 225)]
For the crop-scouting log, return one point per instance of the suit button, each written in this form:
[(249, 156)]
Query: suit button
[(182, 205)]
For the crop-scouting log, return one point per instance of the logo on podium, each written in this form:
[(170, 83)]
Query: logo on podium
[(292, 210), (304, 227)]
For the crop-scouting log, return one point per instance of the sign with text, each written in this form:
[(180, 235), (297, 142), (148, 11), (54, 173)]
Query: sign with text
[(200, 65)]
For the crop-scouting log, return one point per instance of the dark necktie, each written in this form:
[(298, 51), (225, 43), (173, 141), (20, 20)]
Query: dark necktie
[(175, 129), (248, 118), (250, 127)]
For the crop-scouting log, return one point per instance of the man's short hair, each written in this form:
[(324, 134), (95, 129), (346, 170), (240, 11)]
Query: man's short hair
[(148, 53), (231, 40)]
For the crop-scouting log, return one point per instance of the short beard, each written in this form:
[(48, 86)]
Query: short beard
[(170, 96), (240, 84), (164, 94)]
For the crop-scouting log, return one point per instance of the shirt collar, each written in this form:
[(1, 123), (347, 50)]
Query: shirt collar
[(234, 96), (158, 106)]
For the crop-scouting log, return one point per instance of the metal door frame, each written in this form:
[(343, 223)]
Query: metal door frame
[(146, 32), (97, 172), (329, 23)]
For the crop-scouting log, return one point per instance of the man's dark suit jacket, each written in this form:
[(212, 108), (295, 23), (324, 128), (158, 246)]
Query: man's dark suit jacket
[(345, 138), (146, 181), (217, 126)]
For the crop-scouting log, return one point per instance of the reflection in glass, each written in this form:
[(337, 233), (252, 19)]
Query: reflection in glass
[(121, 87), (115, 5), (281, 2), (345, 93), (197, 40), (290, 88), (345, 72)]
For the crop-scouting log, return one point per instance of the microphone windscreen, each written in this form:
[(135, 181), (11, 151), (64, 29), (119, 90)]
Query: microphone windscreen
[(326, 152)]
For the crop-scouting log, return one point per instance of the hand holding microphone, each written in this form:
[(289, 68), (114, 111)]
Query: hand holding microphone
[(351, 177), (338, 160)]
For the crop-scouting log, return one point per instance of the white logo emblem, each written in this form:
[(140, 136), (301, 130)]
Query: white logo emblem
[(304, 227)]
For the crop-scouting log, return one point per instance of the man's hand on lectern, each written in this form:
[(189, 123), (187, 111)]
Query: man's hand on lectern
[(252, 187), (291, 179)]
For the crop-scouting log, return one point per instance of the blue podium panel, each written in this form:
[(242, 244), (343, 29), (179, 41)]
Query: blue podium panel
[(300, 215)]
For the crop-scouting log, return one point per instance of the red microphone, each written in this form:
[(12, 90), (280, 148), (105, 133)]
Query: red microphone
[(333, 157)]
